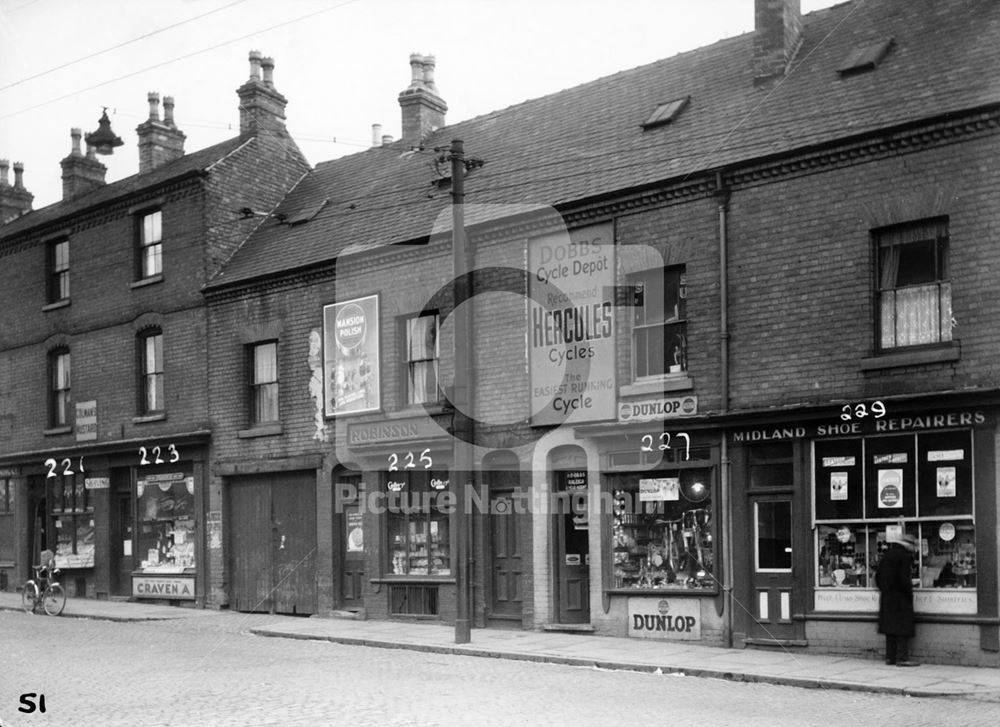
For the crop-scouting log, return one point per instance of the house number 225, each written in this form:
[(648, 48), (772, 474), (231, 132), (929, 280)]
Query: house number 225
[(410, 463)]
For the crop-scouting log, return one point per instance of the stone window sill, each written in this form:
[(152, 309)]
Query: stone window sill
[(912, 358), (151, 280), (56, 431), (147, 418), (261, 430), (64, 303), (672, 382)]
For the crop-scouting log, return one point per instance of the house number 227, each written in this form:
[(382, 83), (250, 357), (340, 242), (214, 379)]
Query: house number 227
[(647, 443)]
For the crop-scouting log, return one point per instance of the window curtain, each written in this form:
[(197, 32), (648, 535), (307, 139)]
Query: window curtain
[(422, 354), (913, 315)]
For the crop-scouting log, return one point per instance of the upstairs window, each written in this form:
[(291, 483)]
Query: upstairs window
[(264, 383), (659, 325), (59, 388), (58, 268), (422, 359), (914, 292), (151, 399), (151, 244)]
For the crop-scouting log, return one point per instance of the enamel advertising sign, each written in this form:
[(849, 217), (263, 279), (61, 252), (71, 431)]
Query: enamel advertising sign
[(350, 358)]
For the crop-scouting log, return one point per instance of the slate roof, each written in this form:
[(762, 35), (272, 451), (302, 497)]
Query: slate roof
[(197, 161), (588, 140)]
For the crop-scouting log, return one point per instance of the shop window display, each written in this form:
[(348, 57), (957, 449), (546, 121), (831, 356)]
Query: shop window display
[(868, 490), (662, 530), (418, 523), (73, 519), (166, 522)]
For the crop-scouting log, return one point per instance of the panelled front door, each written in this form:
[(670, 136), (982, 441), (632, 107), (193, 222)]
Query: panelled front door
[(505, 548), (349, 531), (273, 543), (772, 575), (122, 538), (572, 531)]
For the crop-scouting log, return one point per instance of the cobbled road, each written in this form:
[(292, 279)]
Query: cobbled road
[(208, 670)]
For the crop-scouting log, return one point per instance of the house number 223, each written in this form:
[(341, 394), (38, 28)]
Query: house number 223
[(172, 455)]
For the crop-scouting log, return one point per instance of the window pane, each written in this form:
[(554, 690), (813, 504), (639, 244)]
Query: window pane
[(152, 228), (266, 403), (917, 263), (265, 363), (153, 360), (774, 535), (151, 263)]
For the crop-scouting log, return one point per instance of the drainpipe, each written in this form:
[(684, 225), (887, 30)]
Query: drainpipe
[(722, 199)]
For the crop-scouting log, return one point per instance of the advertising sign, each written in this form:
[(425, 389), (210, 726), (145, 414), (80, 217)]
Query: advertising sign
[(571, 335), (351, 356), (675, 619), (86, 421), (890, 488), (160, 587)]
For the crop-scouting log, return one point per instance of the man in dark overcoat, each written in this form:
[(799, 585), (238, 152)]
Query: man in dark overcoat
[(895, 608)]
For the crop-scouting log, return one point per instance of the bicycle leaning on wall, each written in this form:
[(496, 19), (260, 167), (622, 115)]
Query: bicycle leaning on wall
[(44, 588)]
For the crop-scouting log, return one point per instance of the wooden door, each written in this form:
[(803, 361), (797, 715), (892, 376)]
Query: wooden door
[(293, 543), (505, 549), (573, 558), (350, 532), (122, 545), (250, 544), (771, 565)]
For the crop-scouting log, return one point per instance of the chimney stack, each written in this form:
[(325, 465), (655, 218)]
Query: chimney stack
[(423, 109), (376, 134), (160, 142), (14, 200), (777, 36), (81, 174), (262, 108)]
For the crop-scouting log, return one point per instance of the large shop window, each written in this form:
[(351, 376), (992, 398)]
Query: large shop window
[(72, 515), (418, 504), (662, 531), (913, 287), (868, 489), (659, 325), (166, 522)]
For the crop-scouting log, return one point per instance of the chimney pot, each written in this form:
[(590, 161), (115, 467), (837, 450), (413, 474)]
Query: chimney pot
[(416, 70), (18, 175), (387, 139), (4, 167), (376, 134), (428, 64), (255, 65), (75, 135), (267, 64), (168, 110), (154, 105), (91, 152)]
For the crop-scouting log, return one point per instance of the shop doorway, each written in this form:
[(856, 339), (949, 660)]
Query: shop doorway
[(572, 547), (122, 543), (506, 593), (272, 525), (772, 573), (349, 531)]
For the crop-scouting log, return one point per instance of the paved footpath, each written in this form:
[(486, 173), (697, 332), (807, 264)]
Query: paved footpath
[(746, 665)]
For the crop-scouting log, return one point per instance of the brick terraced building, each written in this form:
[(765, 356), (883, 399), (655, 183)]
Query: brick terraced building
[(105, 428), (731, 330)]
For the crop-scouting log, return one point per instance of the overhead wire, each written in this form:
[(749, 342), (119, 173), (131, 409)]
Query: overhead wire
[(136, 39), (176, 58)]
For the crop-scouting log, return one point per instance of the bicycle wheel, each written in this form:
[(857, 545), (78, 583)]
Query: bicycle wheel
[(54, 600), (29, 597)]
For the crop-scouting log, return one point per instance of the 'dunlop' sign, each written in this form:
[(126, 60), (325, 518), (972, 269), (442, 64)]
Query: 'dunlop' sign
[(674, 619)]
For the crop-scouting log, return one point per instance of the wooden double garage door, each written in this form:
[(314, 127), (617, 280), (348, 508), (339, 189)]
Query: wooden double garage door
[(272, 542)]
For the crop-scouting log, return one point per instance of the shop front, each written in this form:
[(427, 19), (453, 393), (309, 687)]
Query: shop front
[(653, 532), (121, 521), (821, 500)]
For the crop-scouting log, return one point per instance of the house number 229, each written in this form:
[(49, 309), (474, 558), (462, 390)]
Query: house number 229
[(425, 459), (144, 454)]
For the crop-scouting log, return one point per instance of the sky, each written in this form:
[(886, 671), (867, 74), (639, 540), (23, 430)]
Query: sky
[(340, 63)]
